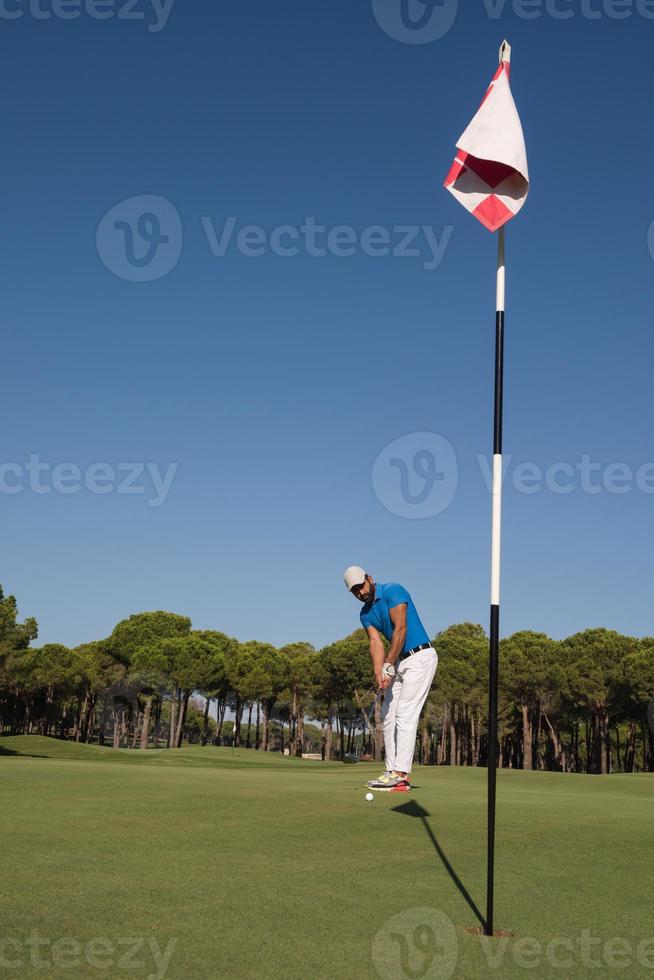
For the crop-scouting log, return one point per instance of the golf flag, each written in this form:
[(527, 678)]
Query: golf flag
[(490, 178), (489, 175)]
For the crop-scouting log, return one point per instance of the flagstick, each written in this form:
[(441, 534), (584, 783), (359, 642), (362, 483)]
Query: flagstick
[(495, 579)]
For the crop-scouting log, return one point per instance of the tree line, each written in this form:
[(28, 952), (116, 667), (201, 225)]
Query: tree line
[(573, 705)]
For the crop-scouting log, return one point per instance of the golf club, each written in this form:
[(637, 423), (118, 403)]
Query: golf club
[(368, 717)]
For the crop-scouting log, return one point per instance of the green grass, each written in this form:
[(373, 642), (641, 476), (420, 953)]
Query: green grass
[(263, 866), (52, 748)]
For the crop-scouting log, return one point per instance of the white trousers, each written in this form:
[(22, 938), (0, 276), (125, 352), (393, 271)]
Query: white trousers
[(403, 702)]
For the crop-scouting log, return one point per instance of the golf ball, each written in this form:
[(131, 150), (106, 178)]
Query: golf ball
[(369, 797)]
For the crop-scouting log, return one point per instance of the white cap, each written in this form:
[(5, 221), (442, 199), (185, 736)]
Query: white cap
[(354, 575)]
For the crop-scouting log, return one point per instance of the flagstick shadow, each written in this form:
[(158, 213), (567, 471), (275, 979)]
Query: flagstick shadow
[(413, 809)]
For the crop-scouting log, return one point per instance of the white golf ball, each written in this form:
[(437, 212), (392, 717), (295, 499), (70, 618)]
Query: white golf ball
[(369, 797)]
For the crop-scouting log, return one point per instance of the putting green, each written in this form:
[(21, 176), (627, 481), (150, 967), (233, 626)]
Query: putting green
[(206, 863)]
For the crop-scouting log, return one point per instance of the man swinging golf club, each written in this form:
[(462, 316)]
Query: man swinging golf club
[(405, 672)]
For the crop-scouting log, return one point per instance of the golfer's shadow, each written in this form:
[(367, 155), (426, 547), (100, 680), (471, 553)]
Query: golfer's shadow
[(413, 809)]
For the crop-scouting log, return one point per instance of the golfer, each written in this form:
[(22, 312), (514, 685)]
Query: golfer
[(405, 671)]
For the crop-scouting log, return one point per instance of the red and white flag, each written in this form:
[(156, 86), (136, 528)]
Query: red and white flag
[(489, 175)]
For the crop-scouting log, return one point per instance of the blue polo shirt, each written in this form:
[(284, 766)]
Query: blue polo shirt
[(377, 614)]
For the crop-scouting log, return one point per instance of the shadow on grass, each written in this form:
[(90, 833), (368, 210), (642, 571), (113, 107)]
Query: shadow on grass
[(413, 809), (6, 751)]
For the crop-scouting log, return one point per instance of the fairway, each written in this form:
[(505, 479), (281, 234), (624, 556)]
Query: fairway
[(244, 864)]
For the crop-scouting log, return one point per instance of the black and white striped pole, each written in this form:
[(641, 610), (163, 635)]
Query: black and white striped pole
[(493, 670), (490, 178)]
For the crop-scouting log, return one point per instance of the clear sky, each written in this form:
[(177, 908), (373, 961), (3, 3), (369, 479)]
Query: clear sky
[(262, 389)]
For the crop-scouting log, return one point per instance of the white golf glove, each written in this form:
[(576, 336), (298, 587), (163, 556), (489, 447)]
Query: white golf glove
[(388, 670)]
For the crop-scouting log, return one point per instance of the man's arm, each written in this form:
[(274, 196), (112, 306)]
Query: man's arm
[(376, 652), (398, 619)]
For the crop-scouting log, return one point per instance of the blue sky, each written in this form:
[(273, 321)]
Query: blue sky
[(268, 386)]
